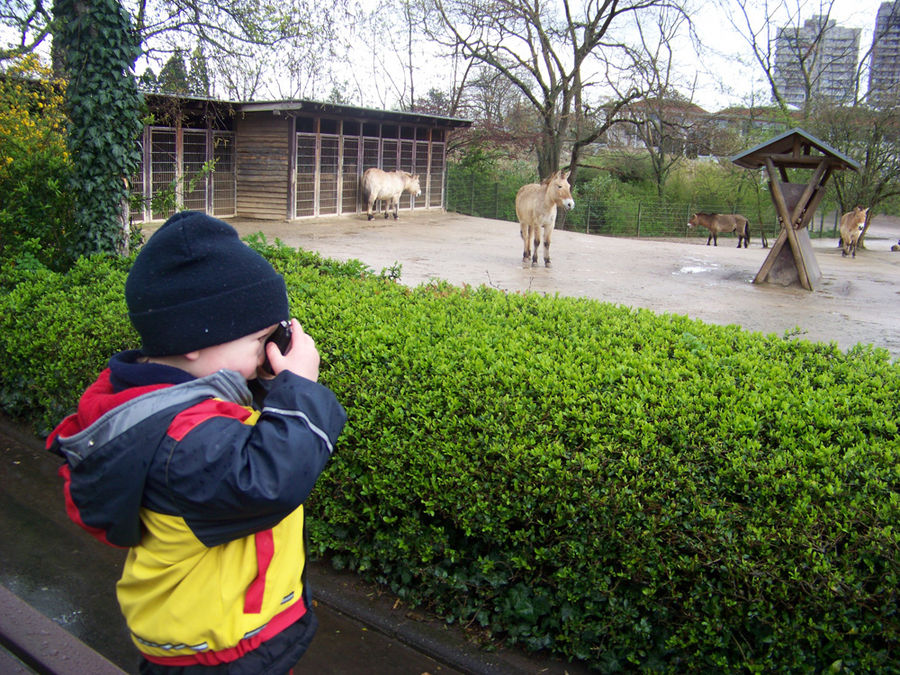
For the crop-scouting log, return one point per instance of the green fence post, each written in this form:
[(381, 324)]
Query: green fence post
[(496, 199), (639, 220), (587, 217)]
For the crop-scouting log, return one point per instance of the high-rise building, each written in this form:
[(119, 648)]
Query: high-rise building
[(818, 60), (884, 73)]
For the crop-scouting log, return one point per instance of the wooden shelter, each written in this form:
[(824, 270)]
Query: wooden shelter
[(791, 259), (281, 159)]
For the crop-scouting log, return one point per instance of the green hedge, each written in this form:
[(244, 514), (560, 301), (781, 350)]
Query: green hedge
[(636, 491)]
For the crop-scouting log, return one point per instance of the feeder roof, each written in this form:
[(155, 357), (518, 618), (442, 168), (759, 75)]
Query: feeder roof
[(793, 149)]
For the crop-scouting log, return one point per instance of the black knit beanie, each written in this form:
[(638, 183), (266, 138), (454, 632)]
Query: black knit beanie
[(196, 284)]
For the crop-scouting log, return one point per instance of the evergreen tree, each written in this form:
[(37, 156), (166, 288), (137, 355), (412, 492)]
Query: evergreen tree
[(147, 82), (198, 77), (173, 78)]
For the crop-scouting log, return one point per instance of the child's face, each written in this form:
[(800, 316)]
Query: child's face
[(244, 355)]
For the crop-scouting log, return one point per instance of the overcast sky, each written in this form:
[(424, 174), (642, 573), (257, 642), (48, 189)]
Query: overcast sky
[(725, 73)]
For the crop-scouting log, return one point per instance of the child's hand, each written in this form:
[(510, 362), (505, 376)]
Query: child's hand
[(302, 358)]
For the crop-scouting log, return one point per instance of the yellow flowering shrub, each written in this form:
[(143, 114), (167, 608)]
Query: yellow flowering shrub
[(31, 110), (35, 199)]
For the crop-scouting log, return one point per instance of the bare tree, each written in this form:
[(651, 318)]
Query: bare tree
[(871, 136), (239, 78), (394, 58), (664, 119), (27, 23), (800, 51), (557, 55), (302, 33), (380, 72)]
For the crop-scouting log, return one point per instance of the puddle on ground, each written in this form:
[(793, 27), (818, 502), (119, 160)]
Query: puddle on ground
[(696, 266)]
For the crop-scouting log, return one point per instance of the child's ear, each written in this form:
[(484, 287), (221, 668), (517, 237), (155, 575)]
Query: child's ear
[(192, 356)]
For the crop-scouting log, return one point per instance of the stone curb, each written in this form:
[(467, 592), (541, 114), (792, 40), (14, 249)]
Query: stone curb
[(42, 645)]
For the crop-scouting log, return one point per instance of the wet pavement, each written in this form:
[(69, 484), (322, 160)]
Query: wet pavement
[(856, 301), (66, 575)]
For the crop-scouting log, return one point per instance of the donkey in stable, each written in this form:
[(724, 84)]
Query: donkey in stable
[(389, 186), (536, 205), (722, 222)]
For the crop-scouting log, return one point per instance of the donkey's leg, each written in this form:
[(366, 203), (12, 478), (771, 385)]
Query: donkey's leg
[(526, 239), (369, 211), (548, 232), (536, 240), (709, 238), (387, 208)]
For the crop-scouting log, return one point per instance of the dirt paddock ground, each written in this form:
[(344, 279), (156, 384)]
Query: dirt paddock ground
[(856, 301)]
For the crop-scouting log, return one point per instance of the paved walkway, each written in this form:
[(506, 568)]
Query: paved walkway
[(68, 577), (857, 299)]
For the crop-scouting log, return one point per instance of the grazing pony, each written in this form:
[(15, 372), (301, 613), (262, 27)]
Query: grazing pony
[(722, 222), (852, 224), (389, 186), (536, 208)]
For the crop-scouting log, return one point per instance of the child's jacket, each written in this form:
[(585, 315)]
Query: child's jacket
[(206, 492)]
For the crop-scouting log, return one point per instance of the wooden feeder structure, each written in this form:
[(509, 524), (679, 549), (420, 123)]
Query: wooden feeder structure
[(791, 259)]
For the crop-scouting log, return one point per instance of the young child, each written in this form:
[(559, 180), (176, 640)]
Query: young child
[(167, 456)]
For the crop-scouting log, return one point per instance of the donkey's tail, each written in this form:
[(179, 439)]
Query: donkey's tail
[(364, 193)]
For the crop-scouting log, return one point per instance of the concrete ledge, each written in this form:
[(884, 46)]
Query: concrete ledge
[(42, 645)]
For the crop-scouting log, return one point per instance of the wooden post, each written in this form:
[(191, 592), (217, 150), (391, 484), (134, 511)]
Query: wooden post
[(179, 163), (794, 211), (587, 217)]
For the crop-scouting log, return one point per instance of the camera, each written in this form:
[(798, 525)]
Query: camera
[(281, 336)]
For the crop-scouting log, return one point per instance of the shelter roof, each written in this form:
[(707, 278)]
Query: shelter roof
[(190, 103), (793, 149), (291, 106)]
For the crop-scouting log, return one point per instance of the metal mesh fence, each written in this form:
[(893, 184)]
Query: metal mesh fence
[(328, 174), (616, 216), (306, 174), (224, 191), (350, 194), (162, 169), (194, 186)]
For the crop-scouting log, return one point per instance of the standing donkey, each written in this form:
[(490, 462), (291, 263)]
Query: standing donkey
[(388, 186), (536, 208), (722, 222), (852, 224)]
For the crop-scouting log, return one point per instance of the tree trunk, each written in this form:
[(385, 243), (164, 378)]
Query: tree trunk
[(548, 155)]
